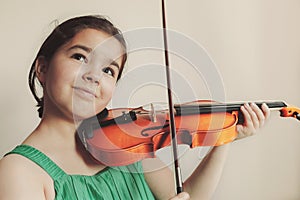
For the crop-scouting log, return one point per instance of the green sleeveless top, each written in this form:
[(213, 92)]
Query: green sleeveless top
[(124, 182)]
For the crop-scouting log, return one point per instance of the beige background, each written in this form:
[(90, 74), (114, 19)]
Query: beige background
[(254, 43)]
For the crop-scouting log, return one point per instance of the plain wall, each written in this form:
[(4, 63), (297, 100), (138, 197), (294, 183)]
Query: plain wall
[(254, 43)]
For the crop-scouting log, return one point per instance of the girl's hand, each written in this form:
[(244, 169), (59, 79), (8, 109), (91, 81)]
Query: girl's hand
[(181, 196), (254, 118)]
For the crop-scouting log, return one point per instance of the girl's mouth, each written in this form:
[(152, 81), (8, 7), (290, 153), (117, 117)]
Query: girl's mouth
[(86, 92)]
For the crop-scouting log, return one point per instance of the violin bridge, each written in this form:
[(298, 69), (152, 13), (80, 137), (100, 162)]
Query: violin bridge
[(152, 113)]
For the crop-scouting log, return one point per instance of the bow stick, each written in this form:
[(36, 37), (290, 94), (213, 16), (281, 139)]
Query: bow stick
[(177, 170)]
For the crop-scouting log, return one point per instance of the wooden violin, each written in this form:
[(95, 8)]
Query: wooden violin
[(126, 135)]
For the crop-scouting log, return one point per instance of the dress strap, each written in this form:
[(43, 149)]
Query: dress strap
[(40, 159)]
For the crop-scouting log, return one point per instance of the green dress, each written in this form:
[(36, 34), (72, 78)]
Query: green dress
[(124, 182)]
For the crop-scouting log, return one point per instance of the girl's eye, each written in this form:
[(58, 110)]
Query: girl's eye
[(109, 71), (80, 57)]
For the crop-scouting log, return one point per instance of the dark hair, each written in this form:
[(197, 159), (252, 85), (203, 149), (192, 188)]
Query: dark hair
[(62, 34)]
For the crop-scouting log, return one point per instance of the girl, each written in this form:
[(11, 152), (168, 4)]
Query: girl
[(78, 83)]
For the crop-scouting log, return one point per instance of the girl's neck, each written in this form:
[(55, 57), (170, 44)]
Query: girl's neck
[(54, 131), (57, 139)]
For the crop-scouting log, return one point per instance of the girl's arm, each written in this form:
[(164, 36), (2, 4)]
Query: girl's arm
[(203, 181)]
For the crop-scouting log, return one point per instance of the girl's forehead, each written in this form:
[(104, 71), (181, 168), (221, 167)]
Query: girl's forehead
[(98, 42)]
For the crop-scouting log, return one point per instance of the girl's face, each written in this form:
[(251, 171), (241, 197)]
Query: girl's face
[(80, 78)]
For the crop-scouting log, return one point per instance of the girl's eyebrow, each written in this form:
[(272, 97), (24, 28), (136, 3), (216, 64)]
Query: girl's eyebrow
[(78, 46), (89, 50), (115, 64)]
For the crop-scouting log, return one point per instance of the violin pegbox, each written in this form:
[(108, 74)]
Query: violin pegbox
[(290, 112)]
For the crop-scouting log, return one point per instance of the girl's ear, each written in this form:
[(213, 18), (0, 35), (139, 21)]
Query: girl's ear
[(41, 69)]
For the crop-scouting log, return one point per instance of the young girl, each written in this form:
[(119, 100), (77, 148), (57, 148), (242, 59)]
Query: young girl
[(78, 80)]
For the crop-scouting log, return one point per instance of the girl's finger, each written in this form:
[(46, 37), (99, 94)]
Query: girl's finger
[(247, 112), (259, 114), (266, 110), (181, 196)]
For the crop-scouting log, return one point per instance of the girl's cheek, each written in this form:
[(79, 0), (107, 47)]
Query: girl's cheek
[(110, 85)]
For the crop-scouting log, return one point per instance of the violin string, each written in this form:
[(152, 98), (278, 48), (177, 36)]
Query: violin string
[(177, 170)]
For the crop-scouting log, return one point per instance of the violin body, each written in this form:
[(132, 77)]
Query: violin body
[(125, 135)]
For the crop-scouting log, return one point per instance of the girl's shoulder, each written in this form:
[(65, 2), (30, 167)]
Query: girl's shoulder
[(16, 178), (18, 164)]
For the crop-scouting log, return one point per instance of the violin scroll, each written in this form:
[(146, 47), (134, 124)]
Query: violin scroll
[(290, 112)]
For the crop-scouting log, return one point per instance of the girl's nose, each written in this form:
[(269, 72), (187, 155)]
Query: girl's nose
[(92, 77)]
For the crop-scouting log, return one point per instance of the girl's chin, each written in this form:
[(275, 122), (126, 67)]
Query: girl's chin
[(83, 109), (78, 117), (82, 114)]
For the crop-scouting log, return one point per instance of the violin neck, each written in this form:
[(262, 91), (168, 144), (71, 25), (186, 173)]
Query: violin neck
[(219, 107)]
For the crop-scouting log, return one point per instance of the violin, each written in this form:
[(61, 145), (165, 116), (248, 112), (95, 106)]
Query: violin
[(123, 136)]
